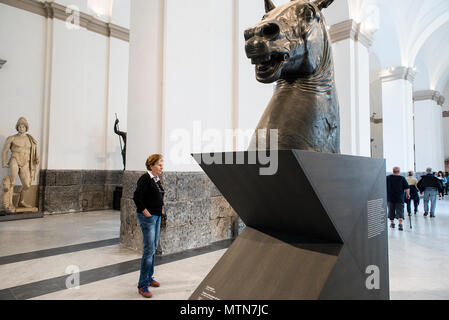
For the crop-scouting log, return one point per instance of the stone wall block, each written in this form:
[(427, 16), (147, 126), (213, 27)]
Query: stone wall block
[(130, 233), (50, 178), (113, 177), (130, 179), (92, 197), (220, 208), (169, 181), (62, 199), (88, 177), (68, 178), (178, 213), (221, 229), (191, 186), (212, 189), (109, 195), (178, 239)]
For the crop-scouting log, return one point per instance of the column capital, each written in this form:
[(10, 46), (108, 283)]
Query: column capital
[(350, 29), (2, 62), (397, 73), (426, 95)]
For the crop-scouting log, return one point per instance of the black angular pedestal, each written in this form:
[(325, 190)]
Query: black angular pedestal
[(315, 230)]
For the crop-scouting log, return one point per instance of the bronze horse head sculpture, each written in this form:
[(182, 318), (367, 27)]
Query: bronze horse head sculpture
[(291, 46)]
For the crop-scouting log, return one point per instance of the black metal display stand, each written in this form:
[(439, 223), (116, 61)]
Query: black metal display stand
[(316, 229)]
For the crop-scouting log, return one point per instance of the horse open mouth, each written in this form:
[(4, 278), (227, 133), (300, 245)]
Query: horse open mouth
[(268, 67)]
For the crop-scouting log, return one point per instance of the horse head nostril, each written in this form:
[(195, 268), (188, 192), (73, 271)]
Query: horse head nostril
[(249, 33), (270, 30)]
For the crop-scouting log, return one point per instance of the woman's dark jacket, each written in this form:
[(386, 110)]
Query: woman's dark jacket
[(149, 195)]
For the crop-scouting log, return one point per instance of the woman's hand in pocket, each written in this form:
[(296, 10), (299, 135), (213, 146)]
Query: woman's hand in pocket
[(146, 213)]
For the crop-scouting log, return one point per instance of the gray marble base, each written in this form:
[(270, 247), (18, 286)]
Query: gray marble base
[(68, 191), (197, 213)]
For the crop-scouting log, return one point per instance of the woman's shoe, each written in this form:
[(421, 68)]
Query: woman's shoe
[(144, 292), (154, 283)]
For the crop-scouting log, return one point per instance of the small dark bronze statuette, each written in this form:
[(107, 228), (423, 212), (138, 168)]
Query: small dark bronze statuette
[(122, 136), (291, 45)]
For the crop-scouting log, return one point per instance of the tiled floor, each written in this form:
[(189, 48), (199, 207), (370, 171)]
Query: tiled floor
[(418, 260)]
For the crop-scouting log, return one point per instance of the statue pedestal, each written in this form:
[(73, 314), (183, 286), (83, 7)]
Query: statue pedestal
[(317, 229), (22, 210), (5, 216)]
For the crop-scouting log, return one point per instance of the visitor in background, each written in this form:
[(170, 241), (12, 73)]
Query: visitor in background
[(443, 180), (414, 193), (446, 186), (430, 186), (398, 191), (149, 200)]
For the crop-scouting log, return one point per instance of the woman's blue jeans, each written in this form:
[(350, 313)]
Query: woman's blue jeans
[(151, 228)]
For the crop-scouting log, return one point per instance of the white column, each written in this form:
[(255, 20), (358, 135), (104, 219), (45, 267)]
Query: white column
[(351, 58), (429, 148), (398, 131), (445, 130), (145, 103)]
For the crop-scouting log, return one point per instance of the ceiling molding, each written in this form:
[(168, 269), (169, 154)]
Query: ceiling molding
[(53, 10), (349, 29), (397, 73)]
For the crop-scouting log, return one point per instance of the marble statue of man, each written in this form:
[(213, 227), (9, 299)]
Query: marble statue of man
[(23, 162)]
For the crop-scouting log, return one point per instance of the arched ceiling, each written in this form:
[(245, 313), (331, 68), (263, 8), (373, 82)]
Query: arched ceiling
[(409, 23), (433, 54)]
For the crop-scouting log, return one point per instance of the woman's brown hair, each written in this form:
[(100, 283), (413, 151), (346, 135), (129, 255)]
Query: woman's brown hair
[(152, 160)]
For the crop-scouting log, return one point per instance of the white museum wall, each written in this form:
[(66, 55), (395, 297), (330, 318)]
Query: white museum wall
[(117, 101), (253, 96), (121, 11), (78, 100), (146, 65), (21, 78), (88, 85), (198, 80)]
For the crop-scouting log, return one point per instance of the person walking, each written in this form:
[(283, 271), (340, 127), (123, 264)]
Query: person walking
[(441, 177), (414, 193), (446, 186), (398, 190), (430, 186), (149, 200)]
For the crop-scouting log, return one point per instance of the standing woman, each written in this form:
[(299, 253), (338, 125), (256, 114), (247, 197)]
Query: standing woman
[(149, 200)]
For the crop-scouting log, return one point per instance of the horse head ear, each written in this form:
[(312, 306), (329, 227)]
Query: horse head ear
[(269, 6), (322, 4)]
